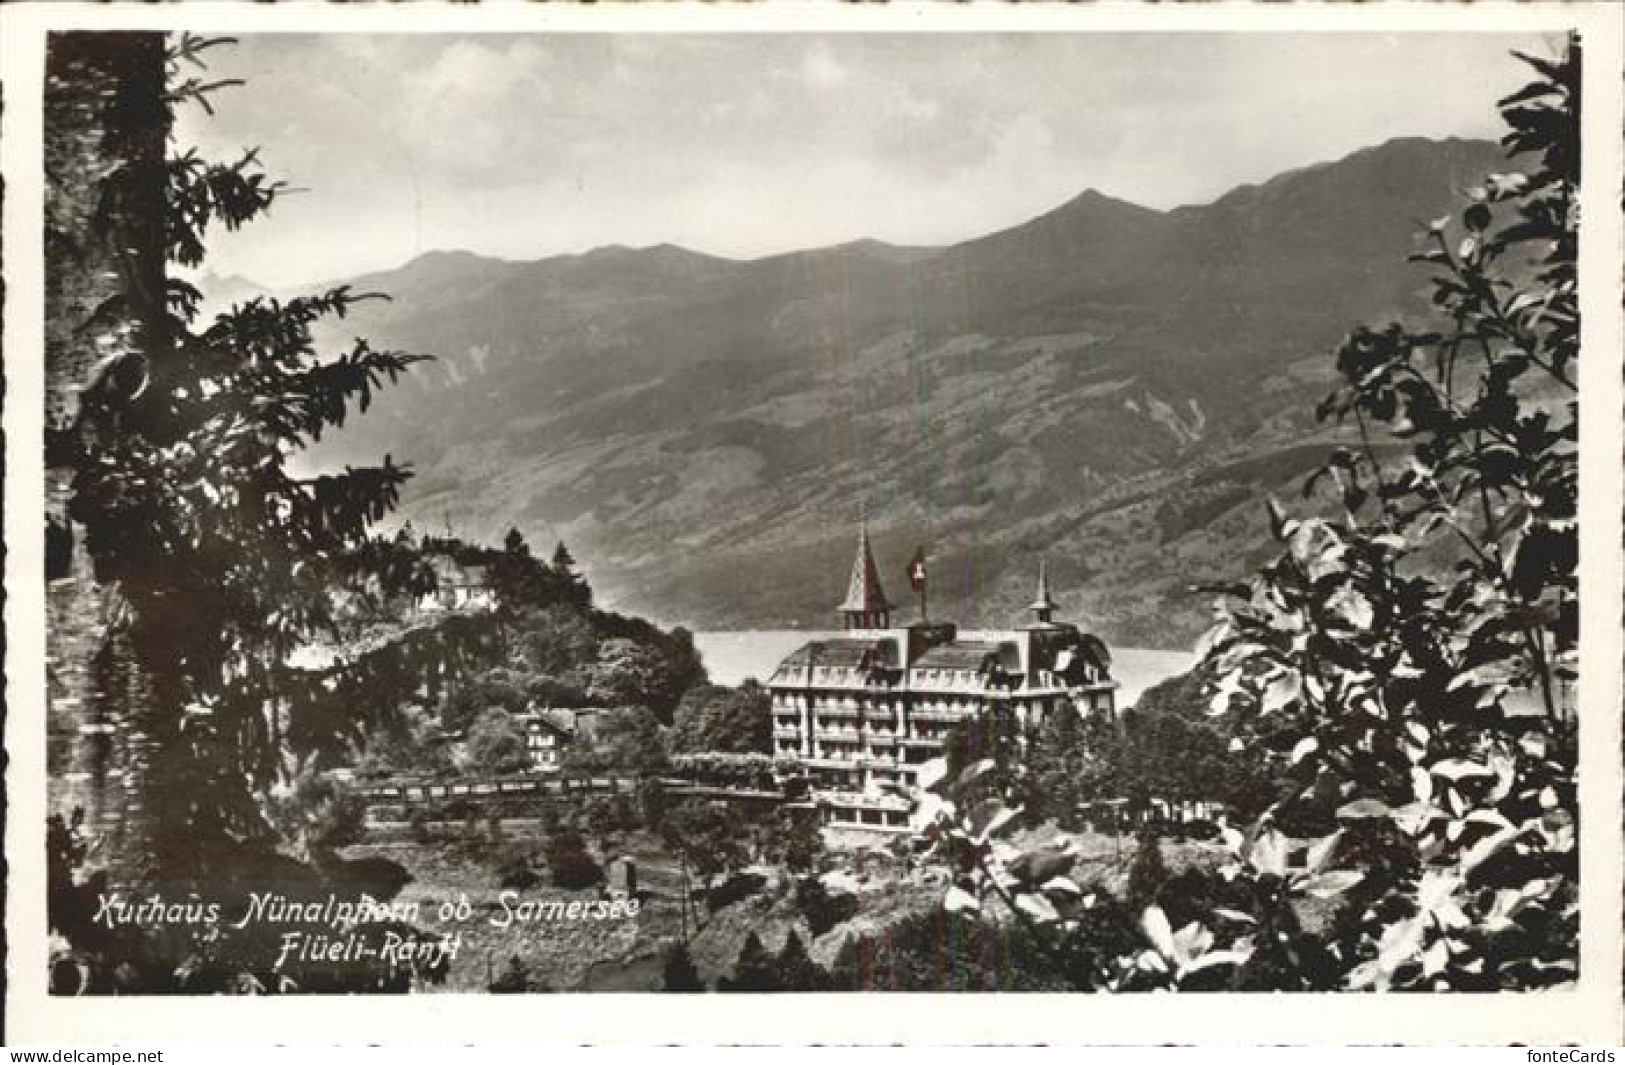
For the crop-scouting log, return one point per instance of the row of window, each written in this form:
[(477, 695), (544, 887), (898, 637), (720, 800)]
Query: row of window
[(837, 817), (789, 710)]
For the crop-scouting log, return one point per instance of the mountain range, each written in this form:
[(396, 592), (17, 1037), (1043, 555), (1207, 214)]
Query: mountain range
[(1108, 387)]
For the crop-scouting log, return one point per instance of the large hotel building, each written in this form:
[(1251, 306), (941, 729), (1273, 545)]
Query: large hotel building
[(864, 710)]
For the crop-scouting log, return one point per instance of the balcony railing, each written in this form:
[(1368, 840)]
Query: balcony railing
[(935, 713), (823, 762), (855, 682)]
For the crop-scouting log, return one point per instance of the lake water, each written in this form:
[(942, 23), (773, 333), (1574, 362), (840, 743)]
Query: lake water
[(730, 657)]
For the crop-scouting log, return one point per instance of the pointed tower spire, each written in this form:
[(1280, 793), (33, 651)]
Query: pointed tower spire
[(1043, 607), (865, 606)]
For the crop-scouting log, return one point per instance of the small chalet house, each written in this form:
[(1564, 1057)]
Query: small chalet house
[(549, 733), (459, 586)]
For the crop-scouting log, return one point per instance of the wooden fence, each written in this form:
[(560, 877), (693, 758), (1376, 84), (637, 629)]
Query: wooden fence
[(411, 792)]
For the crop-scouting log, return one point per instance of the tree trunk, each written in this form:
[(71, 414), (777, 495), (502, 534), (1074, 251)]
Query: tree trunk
[(106, 125)]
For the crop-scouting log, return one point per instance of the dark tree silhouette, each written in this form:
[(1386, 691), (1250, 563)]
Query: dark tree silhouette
[(680, 973), (209, 558)]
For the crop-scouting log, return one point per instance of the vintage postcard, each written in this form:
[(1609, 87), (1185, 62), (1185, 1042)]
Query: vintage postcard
[(944, 521)]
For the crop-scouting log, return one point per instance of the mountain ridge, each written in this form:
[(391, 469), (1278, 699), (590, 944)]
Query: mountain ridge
[(704, 431), (1087, 194)]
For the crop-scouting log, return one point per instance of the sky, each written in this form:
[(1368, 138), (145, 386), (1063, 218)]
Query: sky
[(741, 145)]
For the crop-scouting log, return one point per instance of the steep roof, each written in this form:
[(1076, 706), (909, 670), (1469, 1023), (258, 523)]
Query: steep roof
[(571, 722), (1096, 648), (562, 720), (863, 592), (844, 653), (960, 654), (551, 720)]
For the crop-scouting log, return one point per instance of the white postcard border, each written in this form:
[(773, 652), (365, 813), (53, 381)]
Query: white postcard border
[(1592, 1012)]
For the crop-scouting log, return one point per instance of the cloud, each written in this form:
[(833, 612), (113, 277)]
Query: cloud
[(466, 111), (748, 144), (469, 70), (819, 67)]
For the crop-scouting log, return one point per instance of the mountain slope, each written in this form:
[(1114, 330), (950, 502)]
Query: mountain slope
[(1110, 386)]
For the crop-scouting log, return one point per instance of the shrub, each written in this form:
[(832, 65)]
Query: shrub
[(734, 888), (1147, 871), (465, 704), (516, 979), (569, 863), (705, 835), (518, 873), (822, 909), (320, 813), (496, 744)]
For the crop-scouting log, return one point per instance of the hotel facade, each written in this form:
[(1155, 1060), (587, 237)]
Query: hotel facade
[(862, 712)]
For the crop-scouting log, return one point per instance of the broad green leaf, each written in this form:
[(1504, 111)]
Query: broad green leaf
[(1002, 821), (958, 900), (1191, 942), (1151, 961), (1487, 848), (1283, 690), (1336, 882), (1268, 853), (931, 773), (976, 771), (1155, 924), (1037, 907), (1459, 769), (1436, 958), (1320, 852)]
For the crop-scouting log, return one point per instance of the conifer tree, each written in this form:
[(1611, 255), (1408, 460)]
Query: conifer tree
[(1055, 769), (680, 973), (755, 971), (796, 969), (217, 559)]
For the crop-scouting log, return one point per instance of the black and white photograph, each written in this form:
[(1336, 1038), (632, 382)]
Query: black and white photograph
[(811, 512)]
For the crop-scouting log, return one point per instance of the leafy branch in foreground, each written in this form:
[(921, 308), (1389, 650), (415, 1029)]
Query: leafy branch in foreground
[(1402, 667)]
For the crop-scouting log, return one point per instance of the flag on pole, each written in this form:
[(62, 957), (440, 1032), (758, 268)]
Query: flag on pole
[(916, 577)]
